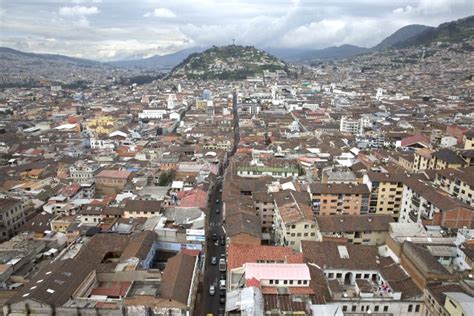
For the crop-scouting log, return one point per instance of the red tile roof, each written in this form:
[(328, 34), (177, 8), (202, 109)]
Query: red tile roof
[(114, 290), (239, 254), (411, 140)]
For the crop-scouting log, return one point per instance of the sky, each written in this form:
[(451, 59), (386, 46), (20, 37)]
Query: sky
[(119, 29)]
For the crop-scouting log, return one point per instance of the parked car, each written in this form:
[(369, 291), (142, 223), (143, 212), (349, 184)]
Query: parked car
[(214, 236), (212, 289), (213, 260), (218, 210), (222, 265), (222, 240), (221, 312), (222, 284)]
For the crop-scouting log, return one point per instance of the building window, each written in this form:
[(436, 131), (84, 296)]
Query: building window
[(354, 308), (385, 308), (376, 308), (410, 308), (417, 308), (338, 275), (344, 308), (271, 281)]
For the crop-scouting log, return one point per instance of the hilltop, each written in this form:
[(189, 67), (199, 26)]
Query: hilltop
[(231, 62), (450, 32), (402, 35)]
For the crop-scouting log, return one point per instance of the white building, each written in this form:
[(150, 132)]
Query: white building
[(353, 126), (83, 171), (153, 114)]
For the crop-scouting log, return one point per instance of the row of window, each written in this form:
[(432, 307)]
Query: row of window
[(377, 308), (289, 282)]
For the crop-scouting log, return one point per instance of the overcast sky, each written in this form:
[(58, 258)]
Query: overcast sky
[(116, 29)]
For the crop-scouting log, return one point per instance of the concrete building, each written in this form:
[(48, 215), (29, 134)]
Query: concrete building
[(111, 181), (293, 221), (423, 203), (386, 192), (458, 183), (356, 229), (12, 216), (352, 126), (340, 198), (360, 280), (83, 171)]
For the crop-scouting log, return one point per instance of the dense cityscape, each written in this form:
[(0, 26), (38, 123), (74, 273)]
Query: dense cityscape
[(239, 183)]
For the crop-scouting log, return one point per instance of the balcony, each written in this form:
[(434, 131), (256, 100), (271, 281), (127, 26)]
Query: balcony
[(413, 216)]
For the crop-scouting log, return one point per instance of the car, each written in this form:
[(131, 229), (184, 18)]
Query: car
[(220, 191), (222, 277), (214, 236), (218, 201), (222, 300), (212, 289), (222, 293), (218, 210), (222, 241), (213, 260), (221, 312), (222, 284), (222, 265)]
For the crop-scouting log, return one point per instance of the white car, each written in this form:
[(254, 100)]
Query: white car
[(212, 289)]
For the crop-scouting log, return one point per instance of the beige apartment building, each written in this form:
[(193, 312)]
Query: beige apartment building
[(458, 183), (386, 192)]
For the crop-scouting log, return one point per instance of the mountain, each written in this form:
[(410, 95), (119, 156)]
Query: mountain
[(21, 69), (9, 53), (308, 55), (158, 61), (455, 31), (401, 35), (232, 62)]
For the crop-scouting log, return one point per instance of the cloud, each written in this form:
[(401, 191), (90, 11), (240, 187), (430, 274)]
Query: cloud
[(404, 10), (160, 13), (116, 29), (86, 1), (78, 11)]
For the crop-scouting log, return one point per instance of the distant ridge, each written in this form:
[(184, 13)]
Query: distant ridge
[(450, 32), (401, 35), (5, 51), (167, 61)]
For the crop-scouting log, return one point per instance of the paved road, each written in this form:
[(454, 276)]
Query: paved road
[(211, 303), (215, 249)]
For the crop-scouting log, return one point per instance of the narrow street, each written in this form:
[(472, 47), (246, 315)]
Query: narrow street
[(211, 304), (212, 274)]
